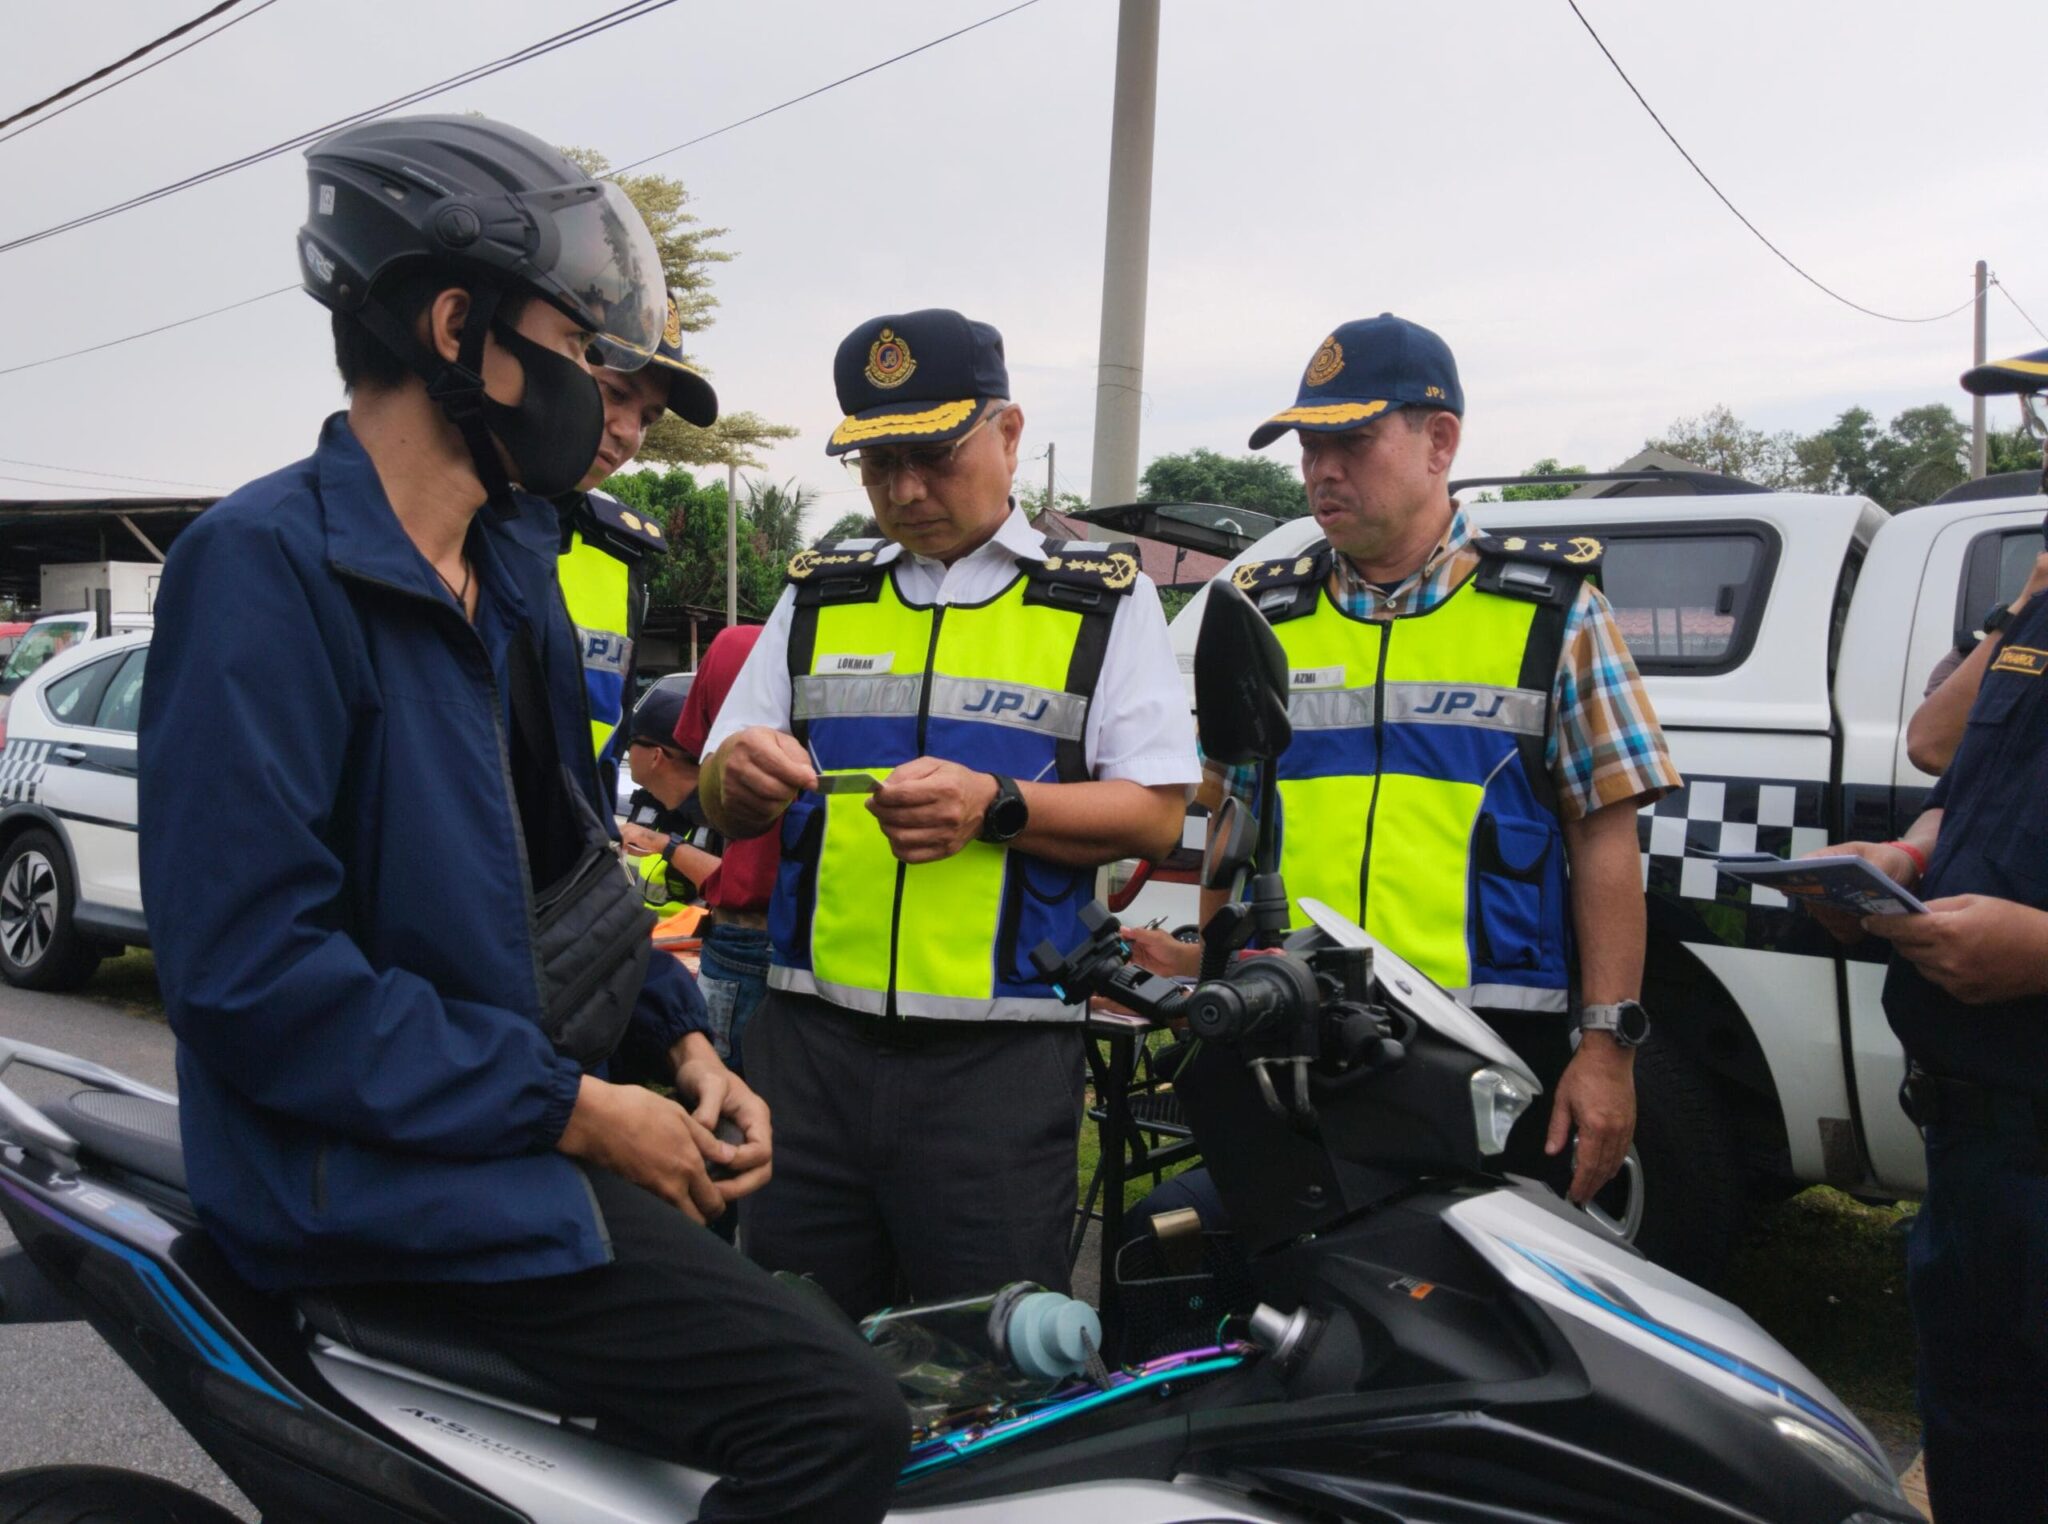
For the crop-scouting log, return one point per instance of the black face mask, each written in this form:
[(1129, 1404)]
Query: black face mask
[(553, 434)]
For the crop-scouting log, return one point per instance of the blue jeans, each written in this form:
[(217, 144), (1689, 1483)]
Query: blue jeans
[(733, 974), (1977, 1277)]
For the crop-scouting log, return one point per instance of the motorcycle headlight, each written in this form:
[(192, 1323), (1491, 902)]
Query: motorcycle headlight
[(1498, 1099), (1842, 1457)]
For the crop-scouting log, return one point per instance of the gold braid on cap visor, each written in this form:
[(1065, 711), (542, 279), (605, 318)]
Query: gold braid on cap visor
[(1331, 412), (947, 415)]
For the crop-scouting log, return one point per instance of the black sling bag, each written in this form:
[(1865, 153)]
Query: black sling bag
[(591, 933)]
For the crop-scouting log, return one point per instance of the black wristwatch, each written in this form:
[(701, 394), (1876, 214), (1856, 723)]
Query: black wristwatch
[(668, 852), (1625, 1021), (1997, 619), (1008, 814)]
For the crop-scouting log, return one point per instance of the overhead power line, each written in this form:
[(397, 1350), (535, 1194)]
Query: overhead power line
[(281, 290), (575, 34), (79, 487), (1790, 263), (844, 79), (129, 338), (2016, 307), (121, 63), (120, 476), (155, 63)]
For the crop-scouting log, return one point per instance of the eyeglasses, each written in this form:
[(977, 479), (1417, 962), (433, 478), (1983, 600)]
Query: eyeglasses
[(927, 462)]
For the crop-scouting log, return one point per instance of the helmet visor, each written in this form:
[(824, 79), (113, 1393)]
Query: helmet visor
[(602, 267)]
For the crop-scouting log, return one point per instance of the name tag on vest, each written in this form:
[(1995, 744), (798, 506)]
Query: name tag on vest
[(853, 666), (1301, 678)]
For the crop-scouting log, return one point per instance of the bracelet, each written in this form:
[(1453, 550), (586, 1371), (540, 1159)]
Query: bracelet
[(1919, 857)]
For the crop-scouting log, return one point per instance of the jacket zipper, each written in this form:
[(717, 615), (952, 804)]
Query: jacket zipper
[(924, 714), (1379, 757)]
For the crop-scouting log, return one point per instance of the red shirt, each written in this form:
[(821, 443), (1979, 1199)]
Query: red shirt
[(745, 877)]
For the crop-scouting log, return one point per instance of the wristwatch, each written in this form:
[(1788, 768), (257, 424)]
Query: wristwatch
[(1997, 619), (1625, 1021), (1008, 814), (668, 851)]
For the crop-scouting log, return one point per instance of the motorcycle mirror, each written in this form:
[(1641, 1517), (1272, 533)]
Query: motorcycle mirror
[(1240, 681), (1232, 834)]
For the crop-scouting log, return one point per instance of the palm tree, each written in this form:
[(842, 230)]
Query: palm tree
[(775, 518)]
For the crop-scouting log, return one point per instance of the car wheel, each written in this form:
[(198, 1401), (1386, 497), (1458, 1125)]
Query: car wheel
[(100, 1495), (40, 944), (1681, 1196)]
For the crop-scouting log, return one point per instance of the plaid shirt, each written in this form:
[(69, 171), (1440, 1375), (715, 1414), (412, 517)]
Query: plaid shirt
[(1604, 744)]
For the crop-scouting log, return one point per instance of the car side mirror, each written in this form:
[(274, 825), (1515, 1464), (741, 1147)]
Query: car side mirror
[(1240, 681), (1232, 835)]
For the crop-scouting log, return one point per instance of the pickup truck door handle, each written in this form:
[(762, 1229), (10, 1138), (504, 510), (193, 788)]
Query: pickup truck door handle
[(69, 753)]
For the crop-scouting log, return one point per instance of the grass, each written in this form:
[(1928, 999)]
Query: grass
[(128, 983), (1825, 1275)]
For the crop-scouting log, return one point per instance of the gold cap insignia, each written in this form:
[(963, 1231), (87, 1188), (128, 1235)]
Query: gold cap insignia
[(890, 362), (1584, 548), (672, 326), (1328, 360)]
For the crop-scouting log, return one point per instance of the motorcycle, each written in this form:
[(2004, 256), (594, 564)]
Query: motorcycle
[(1426, 1341)]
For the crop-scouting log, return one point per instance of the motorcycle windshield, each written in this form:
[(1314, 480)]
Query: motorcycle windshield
[(1416, 993)]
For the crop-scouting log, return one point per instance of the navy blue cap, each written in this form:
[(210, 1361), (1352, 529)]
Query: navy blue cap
[(915, 378), (2022, 373), (1365, 369), (690, 396), (656, 715)]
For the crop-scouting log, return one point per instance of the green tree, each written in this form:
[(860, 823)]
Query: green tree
[(1717, 440), (2016, 451), (853, 526), (775, 517), (1032, 501), (688, 252), (1921, 454), (1547, 466), (1257, 482), (692, 515)]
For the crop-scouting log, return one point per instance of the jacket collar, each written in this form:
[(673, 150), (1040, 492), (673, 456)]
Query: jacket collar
[(365, 539)]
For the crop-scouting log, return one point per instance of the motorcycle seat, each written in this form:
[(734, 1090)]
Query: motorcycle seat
[(385, 1324), (130, 1132)]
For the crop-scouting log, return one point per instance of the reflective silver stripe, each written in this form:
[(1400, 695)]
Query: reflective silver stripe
[(1330, 708), (828, 698), (1044, 711), (1512, 997), (801, 981), (1519, 711)]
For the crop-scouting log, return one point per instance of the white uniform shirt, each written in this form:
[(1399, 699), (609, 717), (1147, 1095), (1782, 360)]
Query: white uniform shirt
[(1139, 728)]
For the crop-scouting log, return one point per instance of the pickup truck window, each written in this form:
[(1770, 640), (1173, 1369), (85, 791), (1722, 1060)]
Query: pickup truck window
[(1687, 597), (1994, 571)]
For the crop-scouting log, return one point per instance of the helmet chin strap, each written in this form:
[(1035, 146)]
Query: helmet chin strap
[(457, 385)]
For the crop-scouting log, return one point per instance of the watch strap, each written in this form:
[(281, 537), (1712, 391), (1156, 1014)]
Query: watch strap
[(1006, 814), (1614, 1020)]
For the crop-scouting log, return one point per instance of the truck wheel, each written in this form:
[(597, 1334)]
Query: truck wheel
[(40, 944), (100, 1495), (1681, 1196)]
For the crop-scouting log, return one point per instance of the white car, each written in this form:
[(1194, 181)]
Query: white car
[(70, 891)]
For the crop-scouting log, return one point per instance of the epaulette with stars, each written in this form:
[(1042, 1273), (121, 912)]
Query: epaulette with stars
[(605, 521), (1286, 588), (1521, 566)]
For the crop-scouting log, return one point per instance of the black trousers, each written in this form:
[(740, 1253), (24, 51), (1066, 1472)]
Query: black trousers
[(932, 1166), (699, 1355)]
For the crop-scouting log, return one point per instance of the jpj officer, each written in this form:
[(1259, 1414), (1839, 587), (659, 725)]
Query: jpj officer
[(1015, 706), (1967, 994), (609, 551)]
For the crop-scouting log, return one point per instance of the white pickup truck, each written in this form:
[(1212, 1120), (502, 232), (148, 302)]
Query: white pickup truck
[(1785, 640)]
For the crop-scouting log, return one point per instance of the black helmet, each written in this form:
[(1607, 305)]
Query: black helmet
[(504, 213), (478, 195), (690, 396)]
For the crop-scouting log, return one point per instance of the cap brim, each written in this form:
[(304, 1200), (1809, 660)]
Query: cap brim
[(2022, 373), (690, 396), (914, 423), (1322, 418)]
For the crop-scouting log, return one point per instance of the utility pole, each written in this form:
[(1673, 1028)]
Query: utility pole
[(1120, 360), (1978, 454), (732, 545), (1050, 476)]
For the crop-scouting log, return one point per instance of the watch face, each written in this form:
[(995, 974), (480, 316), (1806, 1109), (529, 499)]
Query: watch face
[(1634, 1022), (1008, 815)]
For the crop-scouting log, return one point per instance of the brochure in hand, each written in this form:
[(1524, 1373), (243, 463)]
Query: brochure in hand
[(1844, 882)]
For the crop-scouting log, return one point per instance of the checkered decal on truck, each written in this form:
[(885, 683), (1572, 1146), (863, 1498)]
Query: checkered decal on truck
[(1727, 815), (22, 765)]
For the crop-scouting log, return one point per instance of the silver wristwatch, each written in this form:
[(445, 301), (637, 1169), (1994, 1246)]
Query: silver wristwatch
[(1625, 1021)]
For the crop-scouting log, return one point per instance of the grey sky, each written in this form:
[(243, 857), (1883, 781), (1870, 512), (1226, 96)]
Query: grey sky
[(1476, 167)]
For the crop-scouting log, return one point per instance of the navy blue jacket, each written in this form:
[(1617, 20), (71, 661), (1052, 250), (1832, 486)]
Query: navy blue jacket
[(337, 893)]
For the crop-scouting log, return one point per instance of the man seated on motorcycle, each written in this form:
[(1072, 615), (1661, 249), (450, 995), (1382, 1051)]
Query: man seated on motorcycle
[(363, 756)]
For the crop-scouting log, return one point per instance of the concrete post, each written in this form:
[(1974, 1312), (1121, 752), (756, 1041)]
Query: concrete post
[(732, 546), (1120, 361), (1979, 446)]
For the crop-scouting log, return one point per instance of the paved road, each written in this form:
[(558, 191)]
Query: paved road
[(63, 1395)]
